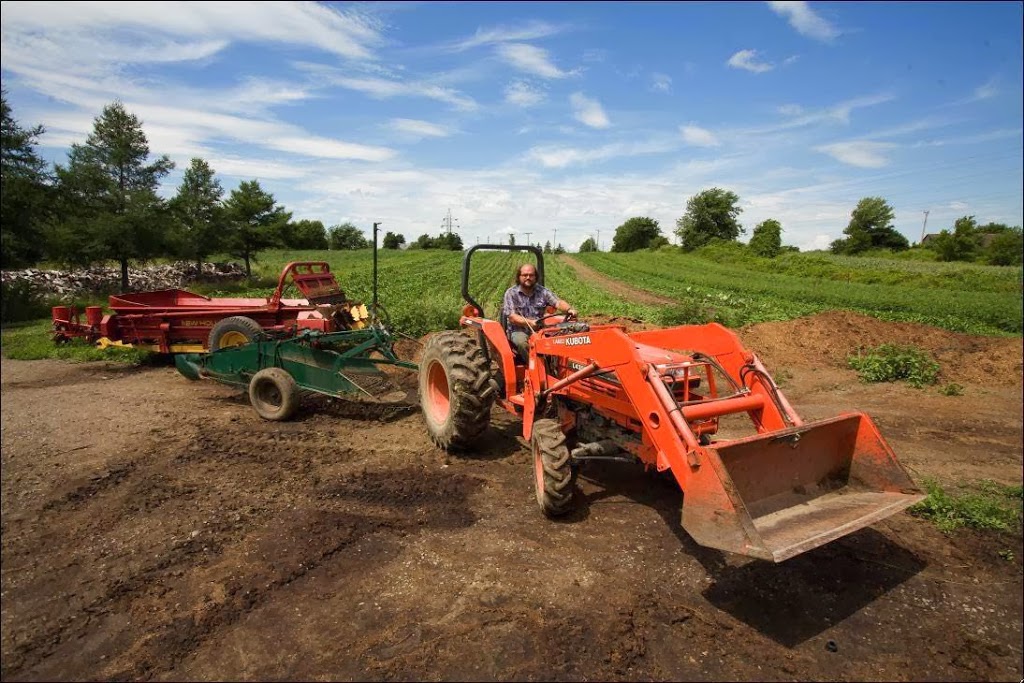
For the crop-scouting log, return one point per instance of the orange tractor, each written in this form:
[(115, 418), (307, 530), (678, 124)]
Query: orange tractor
[(659, 397)]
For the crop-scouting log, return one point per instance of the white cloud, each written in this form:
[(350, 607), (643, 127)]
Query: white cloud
[(531, 59), (747, 59), (588, 111), (418, 128), (383, 88), (986, 91), (959, 206), (698, 137), (561, 157), (860, 153), (661, 82), (116, 32), (790, 109), (522, 94), (504, 34), (804, 20)]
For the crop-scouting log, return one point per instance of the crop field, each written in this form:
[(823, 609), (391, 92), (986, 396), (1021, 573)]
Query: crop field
[(961, 298), (421, 289)]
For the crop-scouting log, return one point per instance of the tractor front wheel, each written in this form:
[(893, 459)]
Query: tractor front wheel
[(554, 478), (234, 331), (455, 390), (274, 394)]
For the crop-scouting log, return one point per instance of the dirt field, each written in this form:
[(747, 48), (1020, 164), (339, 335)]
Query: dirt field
[(155, 528)]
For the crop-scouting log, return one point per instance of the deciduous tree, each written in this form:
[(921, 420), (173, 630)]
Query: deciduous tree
[(393, 241), (636, 233), (767, 238), (870, 227), (710, 214), (347, 237)]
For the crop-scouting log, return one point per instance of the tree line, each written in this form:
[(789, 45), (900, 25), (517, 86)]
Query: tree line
[(713, 215)]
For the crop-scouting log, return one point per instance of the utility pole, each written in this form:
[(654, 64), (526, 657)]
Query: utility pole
[(925, 226), (554, 239), (599, 240), (528, 237), (446, 222)]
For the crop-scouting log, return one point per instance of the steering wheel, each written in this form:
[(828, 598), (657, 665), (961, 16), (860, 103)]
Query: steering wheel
[(540, 320)]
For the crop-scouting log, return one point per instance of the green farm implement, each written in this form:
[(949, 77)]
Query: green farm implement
[(276, 371)]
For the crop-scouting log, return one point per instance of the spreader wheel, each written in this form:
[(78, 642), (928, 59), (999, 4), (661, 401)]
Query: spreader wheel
[(274, 394), (455, 390), (234, 331), (554, 478)]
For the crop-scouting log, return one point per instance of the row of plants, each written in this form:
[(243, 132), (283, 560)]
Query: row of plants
[(739, 296)]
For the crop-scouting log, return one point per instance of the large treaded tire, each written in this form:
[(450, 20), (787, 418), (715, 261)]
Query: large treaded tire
[(234, 331), (274, 394), (554, 478), (455, 390)]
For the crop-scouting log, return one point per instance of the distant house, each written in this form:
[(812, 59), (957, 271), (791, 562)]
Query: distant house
[(928, 238)]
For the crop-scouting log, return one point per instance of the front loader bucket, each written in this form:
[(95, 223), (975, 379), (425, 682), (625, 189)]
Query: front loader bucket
[(786, 492)]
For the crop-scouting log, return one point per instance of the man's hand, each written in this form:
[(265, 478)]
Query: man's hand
[(571, 313)]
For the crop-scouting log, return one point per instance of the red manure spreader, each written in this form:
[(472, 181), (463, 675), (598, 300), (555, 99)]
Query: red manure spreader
[(178, 321)]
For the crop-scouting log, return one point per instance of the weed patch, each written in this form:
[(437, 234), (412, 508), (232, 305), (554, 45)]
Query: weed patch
[(988, 506), (891, 363)]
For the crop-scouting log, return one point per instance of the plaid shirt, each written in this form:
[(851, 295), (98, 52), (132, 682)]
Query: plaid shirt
[(529, 306)]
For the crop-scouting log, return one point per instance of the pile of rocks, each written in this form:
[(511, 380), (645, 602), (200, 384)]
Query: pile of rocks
[(60, 283)]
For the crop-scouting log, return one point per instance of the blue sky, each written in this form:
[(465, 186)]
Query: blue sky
[(556, 119)]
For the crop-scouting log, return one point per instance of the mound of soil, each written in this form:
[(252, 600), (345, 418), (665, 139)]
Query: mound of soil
[(828, 338)]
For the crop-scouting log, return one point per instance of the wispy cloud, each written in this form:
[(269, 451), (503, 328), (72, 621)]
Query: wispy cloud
[(588, 111), (382, 88), (99, 33), (860, 153), (507, 34), (698, 137), (805, 20), (553, 156), (531, 59), (747, 59), (423, 129), (522, 94), (986, 91), (661, 82)]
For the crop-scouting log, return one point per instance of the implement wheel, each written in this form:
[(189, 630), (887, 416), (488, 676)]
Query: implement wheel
[(554, 478), (234, 331), (274, 394), (455, 390)]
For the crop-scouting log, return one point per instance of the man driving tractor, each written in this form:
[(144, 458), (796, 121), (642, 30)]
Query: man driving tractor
[(523, 307)]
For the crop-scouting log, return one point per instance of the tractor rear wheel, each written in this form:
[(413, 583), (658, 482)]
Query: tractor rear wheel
[(274, 394), (234, 331), (554, 477), (455, 390)]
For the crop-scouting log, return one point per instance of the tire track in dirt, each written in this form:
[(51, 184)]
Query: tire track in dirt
[(617, 287)]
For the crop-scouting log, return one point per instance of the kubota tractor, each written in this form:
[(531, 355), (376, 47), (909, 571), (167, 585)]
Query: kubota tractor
[(658, 397)]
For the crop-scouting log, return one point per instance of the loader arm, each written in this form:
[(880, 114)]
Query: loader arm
[(789, 487)]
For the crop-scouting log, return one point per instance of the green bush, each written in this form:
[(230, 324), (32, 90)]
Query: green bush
[(890, 363), (20, 301), (989, 506), (684, 313)]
